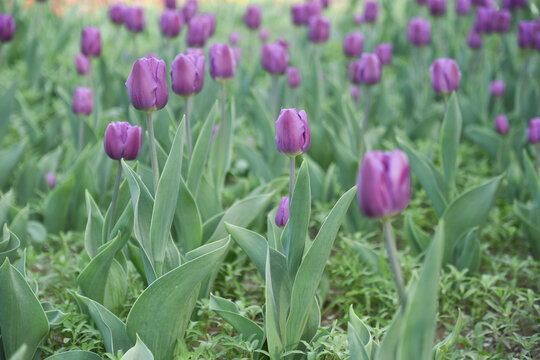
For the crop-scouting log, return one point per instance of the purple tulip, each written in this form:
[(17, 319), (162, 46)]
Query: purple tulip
[(91, 42), (445, 75), (299, 14), (171, 23), (355, 93), (484, 20), (283, 43), (353, 44), (501, 21), (222, 62), (7, 27), (187, 74), (474, 40), (189, 10), (358, 19), (117, 13), (134, 19), (313, 9), (274, 58), (170, 4), (497, 88), (501, 124), (384, 52), (122, 141), (514, 4), (437, 7), (534, 131), (463, 7), (325, 3), (367, 70), (293, 77), (197, 33), (526, 34), (292, 132), (51, 179), (83, 101), (282, 214), (319, 29), (252, 17), (234, 38), (210, 20), (421, 2), (82, 64), (264, 34), (147, 84), (371, 9), (384, 183), (419, 32)]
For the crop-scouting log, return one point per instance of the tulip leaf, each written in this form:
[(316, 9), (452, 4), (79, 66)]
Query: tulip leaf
[(228, 311), (311, 269), (94, 227), (360, 341), (6, 107), (75, 355), (389, 345), (188, 220), (532, 178), (449, 138), (445, 346), (253, 244), (487, 139), (5, 204), (530, 228), (138, 352), (8, 245), (19, 224), (296, 230), (161, 313), (166, 199), (22, 319), (467, 252), (417, 238), (9, 158), (273, 232)]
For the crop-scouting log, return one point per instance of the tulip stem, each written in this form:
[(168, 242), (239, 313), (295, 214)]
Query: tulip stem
[(275, 95), (153, 153), (81, 134), (188, 126), (537, 159), (390, 244), (115, 196), (291, 175), (367, 96)]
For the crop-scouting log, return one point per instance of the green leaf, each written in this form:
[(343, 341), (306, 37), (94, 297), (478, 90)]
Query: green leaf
[(138, 352), (360, 341), (449, 138), (5, 204), (94, 227), (22, 319), (165, 201), (56, 206), (9, 158), (19, 224), (391, 340), (6, 107), (75, 355), (487, 139), (311, 269), (9, 245), (530, 228), (161, 313), (446, 346), (532, 178), (467, 252), (417, 238), (253, 244), (188, 220), (228, 311)]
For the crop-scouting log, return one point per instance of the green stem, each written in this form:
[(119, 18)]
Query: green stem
[(291, 175), (188, 101), (390, 244), (275, 95), (537, 159), (367, 96), (81, 134), (153, 153), (114, 201)]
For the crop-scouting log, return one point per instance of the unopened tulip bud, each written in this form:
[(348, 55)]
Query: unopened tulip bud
[(497, 88), (134, 19), (437, 7), (264, 34), (190, 9), (384, 52), (122, 141), (534, 131), (371, 9), (293, 77), (313, 9), (234, 38), (474, 40), (82, 64), (51, 179), (353, 44), (201, 27), (514, 4), (7, 27), (147, 84), (299, 14), (117, 13), (282, 214), (501, 21), (319, 29), (187, 74), (526, 34), (358, 19), (384, 183), (252, 17), (325, 3), (83, 101), (501, 124), (367, 70), (463, 7), (283, 43), (222, 62), (274, 58), (419, 32), (170, 4), (171, 23), (445, 75), (91, 42), (355, 93), (293, 136)]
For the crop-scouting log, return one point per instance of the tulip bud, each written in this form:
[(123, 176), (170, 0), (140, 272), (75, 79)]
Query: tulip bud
[(353, 44), (501, 21), (501, 124), (134, 19), (274, 58), (234, 38), (222, 62), (122, 141), (483, 22), (51, 179), (293, 77), (358, 19), (264, 34), (534, 131), (292, 132), (82, 64), (463, 7), (514, 4), (91, 42), (421, 2), (117, 13), (83, 101), (187, 74), (282, 214), (201, 27), (526, 34), (497, 88), (313, 9), (210, 24), (474, 40), (283, 43), (367, 70), (445, 75), (355, 93), (384, 52), (252, 17), (171, 23), (371, 9), (419, 32), (384, 183), (147, 84), (299, 14), (437, 7), (325, 3), (319, 29), (7, 27), (170, 4), (189, 10)]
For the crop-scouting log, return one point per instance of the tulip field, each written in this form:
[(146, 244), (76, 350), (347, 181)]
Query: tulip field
[(282, 180)]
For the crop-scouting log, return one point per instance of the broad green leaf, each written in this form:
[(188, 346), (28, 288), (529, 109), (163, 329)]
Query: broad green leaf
[(253, 244), (417, 238), (228, 311), (359, 338), (220, 156), (389, 345), (449, 138), (138, 352), (530, 228), (313, 321), (75, 355), (94, 227), (311, 269), (532, 178), (162, 312), (257, 163), (9, 245), (9, 158), (487, 139), (467, 252), (22, 319), (6, 107), (296, 230), (447, 345), (5, 204), (19, 225), (188, 220), (56, 206), (273, 232), (165, 201)]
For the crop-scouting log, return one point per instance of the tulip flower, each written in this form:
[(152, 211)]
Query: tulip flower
[(222, 62), (91, 42), (358, 19), (514, 4), (282, 213), (299, 14), (82, 64), (474, 40), (264, 34), (274, 58), (117, 13), (319, 29), (445, 76), (421, 2), (501, 124), (7, 27), (419, 32), (171, 23), (355, 93), (437, 7), (51, 179), (497, 88), (384, 190), (201, 27), (534, 131), (252, 17), (134, 19), (189, 10), (368, 70), (170, 4), (384, 53), (234, 38), (371, 9), (501, 21), (325, 3), (483, 22), (463, 7), (353, 44), (293, 77), (526, 34), (83, 104)]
